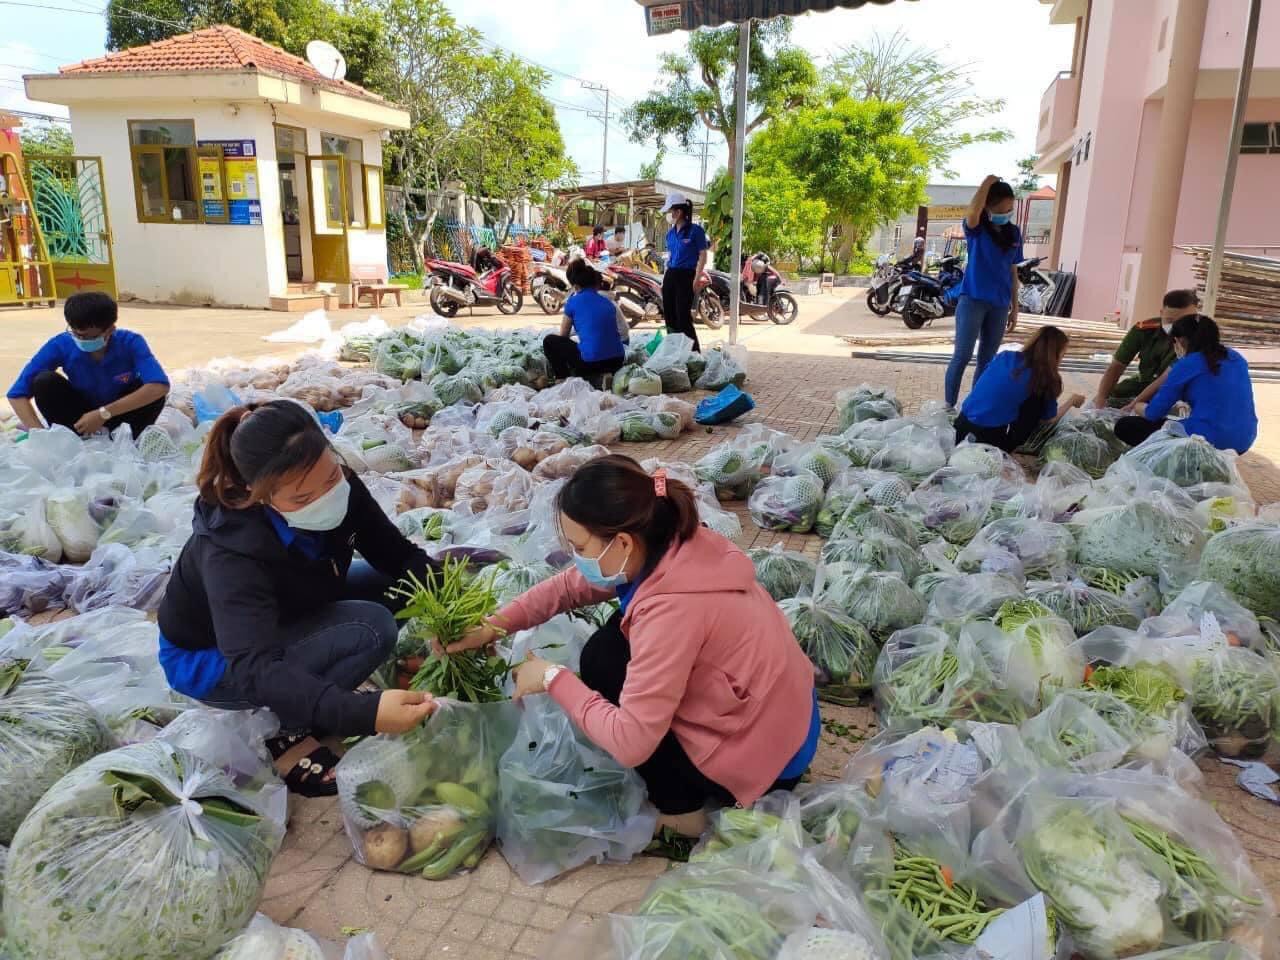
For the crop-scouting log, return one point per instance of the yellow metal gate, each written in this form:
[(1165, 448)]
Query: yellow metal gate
[(71, 207)]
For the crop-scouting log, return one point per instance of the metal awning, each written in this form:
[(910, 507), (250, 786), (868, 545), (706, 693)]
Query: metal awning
[(640, 195), (666, 16)]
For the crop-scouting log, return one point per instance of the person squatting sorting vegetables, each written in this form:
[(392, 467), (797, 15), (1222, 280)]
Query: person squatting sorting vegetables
[(265, 607), (1211, 378), (1150, 342), (697, 681), (109, 376), (596, 320), (1017, 393)]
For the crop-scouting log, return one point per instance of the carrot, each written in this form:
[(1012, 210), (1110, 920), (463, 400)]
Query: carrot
[(948, 876), (1233, 638), (1088, 672)]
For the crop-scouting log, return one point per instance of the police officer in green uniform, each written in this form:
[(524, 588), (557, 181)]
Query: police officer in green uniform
[(1149, 341)]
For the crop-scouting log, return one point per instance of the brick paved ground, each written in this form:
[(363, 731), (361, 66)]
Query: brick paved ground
[(490, 914)]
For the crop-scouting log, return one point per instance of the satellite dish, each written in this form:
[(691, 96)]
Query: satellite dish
[(326, 58)]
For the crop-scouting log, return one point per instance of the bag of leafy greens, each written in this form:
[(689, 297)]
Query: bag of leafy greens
[(782, 573), (146, 852), (264, 940), (840, 649), (45, 732), (425, 802), (564, 801)]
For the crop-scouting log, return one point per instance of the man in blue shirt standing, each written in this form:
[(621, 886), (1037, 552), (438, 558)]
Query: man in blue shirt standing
[(109, 377), (687, 257)]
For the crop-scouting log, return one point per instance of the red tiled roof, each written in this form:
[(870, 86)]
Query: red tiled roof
[(215, 48)]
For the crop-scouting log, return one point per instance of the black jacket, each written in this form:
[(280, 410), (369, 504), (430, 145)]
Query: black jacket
[(235, 584)]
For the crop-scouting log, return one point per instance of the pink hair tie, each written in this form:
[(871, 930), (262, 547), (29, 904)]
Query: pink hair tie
[(660, 483)]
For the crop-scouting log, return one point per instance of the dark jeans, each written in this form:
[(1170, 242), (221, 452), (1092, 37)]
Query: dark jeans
[(61, 403), (1010, 436), (343, 642), (674, 782), (977, 323), (677, 303), (565, 359), (1134, 430)]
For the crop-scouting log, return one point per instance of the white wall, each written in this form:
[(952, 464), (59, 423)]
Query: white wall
[(224, 264)]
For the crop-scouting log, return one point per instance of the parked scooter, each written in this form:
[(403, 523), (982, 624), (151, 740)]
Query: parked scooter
[(923, 297), (488, 282), (637, 292), (549, 287), (1035, 287), (886, 283), (771, 299)]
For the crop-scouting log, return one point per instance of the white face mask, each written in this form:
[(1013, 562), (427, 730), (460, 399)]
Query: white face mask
[(1167, 328), (323, 513), (671, 218)]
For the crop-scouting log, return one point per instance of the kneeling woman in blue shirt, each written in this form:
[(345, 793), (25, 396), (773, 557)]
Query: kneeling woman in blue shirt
[(265, 607), (1212, 379), (109, 376), (594, 317), (1016, 393)]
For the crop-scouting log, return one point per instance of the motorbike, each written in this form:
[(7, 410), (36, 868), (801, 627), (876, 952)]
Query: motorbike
[(488, 283), (549, 287), (637, 292), (780, 307), (886, 284), (1035, 287), (923, 297)]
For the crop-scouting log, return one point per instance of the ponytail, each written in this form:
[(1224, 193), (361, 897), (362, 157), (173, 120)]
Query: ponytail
[(252, 448), (613, 495), (1203, 337)]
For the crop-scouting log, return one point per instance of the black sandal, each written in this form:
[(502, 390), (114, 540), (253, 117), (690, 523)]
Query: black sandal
[(307, 777), (279, 746)]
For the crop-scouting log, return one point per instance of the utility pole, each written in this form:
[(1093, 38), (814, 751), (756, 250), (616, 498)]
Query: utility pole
[(603, 118), (706, 146)]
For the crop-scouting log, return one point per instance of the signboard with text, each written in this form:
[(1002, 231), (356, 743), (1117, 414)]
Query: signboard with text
[(240, 164), (663, 18)]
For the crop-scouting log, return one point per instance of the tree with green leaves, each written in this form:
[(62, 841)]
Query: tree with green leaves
[(1028, 179), (779, 216), (696, 88), (51, 138), (939, 107), (652, 169), (854, 156)]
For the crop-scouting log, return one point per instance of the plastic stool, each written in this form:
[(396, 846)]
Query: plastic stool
[(828, 282)]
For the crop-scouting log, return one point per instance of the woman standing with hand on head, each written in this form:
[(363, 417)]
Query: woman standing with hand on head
[(988, 305), (697, 682), (265, 607)]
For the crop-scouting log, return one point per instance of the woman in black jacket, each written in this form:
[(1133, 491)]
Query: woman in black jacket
[(265, 607)]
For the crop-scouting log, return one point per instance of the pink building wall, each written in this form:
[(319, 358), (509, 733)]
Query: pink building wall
[(1108, 199)]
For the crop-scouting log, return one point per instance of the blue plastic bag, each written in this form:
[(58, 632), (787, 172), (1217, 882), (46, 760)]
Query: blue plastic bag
[(213, 401), (729, 404), (331, 420)]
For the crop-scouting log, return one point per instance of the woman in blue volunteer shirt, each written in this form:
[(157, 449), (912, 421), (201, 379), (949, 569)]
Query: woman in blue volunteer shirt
[(109, 377), (687, 257), (988, 304), (594, 317), (1016, 393), (1212, 379)]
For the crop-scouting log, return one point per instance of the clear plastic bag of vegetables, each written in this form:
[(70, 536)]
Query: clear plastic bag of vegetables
[(46, 731), (1215, 892), (866, 402), (787, 503), (1237, 622), (147, 852), (1047, 639), (843, 495), (736, 466), (913, 453), (783, 573), (923, 675), (841, 650), (29, 585), (564, 801), (1080, 448), (426, 802), (875, 550), (971, 596), (264, 940), (863, 517), (1185, 461), (881, 602), (1043, 548), (1149, 537), (952, 504), (724, 366), (1235, 696), (1086, 608), (559, 640), (1246, 560), (811, 458)]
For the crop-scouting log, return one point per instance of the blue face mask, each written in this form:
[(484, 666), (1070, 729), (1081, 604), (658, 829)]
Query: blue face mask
[(1000, 219), (589, 567), (90, 346)]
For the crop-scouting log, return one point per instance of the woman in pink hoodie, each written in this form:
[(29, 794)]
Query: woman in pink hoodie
[(697, 681)]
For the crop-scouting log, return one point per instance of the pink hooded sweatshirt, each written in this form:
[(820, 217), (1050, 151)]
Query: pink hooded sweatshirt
[(712, 659)]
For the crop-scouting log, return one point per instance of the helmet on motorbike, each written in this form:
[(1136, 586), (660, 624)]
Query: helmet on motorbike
[(760, 263)]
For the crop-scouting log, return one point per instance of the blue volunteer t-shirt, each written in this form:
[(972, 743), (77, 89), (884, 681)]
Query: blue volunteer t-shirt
[(595, 320), (125, 366), (1001, 391), (684, 244), (1222, 408), (988, 273)]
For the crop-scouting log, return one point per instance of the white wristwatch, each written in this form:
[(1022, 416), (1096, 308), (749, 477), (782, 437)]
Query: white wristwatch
[(104, 413), (550, 675)]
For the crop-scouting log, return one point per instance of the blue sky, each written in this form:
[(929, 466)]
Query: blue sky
[(1016, 52)]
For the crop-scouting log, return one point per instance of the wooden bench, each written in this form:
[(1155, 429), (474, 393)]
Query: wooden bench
[(377, 291)]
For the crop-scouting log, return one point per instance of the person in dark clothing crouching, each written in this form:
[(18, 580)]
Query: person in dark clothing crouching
[(109, 376), (594, 318), (1016, 393), (265, 607)]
